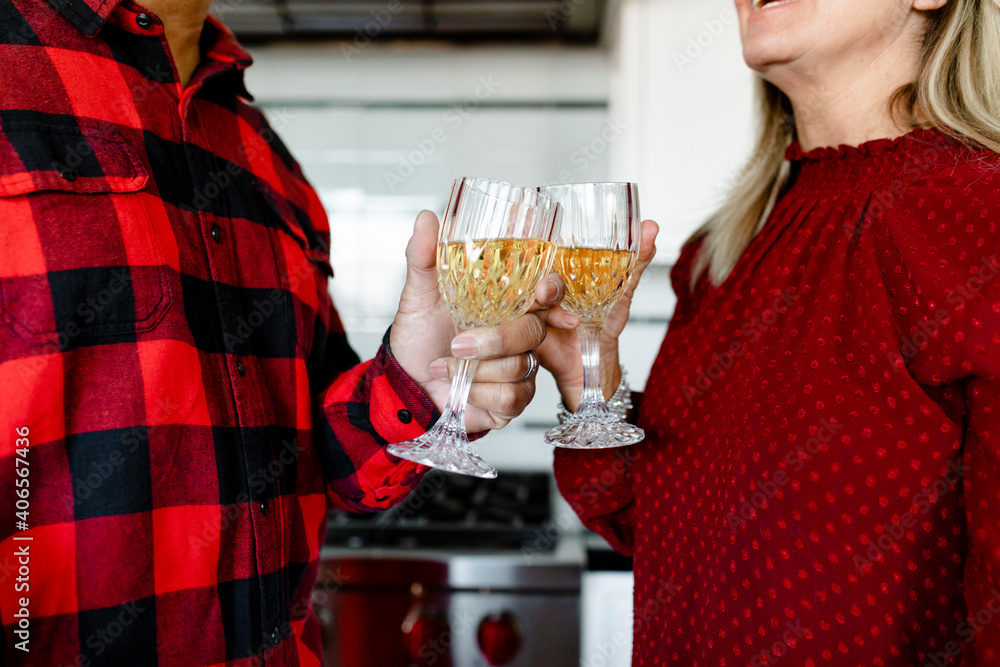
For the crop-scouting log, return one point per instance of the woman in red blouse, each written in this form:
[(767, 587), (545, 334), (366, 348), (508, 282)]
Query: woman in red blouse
[(820, 483)]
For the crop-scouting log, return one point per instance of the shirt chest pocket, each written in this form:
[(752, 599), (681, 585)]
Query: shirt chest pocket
[(79, 261)]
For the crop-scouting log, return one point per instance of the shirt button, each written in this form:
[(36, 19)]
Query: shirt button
[(143, 21), (216, 233), (240, 368), (68, 174), (275, 635), (404, 416), (263, 508)]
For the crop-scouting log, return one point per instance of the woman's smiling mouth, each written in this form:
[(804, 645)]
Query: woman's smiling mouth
[(761, 4)]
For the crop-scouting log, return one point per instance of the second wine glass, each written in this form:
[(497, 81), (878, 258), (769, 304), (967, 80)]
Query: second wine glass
[(596, 255)]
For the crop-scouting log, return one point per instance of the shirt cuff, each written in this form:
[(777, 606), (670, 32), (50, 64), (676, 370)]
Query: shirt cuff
[(400, 409)]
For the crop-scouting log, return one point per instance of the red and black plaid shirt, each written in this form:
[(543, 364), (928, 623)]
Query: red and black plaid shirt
[(167, 338)]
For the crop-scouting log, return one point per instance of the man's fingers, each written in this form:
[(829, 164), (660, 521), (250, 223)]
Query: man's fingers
[(421, 257), (421, 250), (509, 369), (510, 338)]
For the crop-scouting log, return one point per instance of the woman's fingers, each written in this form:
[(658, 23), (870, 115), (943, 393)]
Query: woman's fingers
[(647, 250)]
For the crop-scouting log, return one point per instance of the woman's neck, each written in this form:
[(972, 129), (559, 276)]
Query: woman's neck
[(851, 103), (848, 119)]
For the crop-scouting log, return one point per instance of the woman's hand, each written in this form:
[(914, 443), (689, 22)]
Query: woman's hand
[(560, 353), (424, 342)]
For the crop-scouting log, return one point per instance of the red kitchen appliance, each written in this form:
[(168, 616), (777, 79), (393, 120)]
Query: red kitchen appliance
[(466, 573)]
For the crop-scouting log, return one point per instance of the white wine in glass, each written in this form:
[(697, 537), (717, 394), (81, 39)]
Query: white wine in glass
[(495, 244), (595, 280), (488, 282), (597, 252)]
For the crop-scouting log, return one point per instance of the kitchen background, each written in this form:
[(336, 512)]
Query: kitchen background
[(384, 103)]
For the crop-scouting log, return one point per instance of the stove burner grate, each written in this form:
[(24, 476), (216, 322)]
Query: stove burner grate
[(455, 511)]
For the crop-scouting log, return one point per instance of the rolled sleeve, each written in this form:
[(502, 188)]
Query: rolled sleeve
[(363, 410)]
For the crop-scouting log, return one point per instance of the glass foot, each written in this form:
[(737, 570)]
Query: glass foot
[(450, 456), (590, 433)]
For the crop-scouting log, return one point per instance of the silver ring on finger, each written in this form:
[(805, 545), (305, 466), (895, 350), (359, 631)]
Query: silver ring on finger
[(532, 367)]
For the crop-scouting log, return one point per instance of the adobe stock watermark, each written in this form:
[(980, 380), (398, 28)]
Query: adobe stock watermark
[(86, 311), (881, 201), (587, 153), (788, 641), (94, 476), (795, 460), (605, 652), (453, 119), (258, 482), (436, 648), (373, 27), (893, 533), (967, 630), (601, 654), (546, 537), (218, 181), (425, 490), (653, 605), (248, 323), (929, 328), (750, 332), (757, 162), (566, 8), (704, 39), (592, 490), (99, 641)]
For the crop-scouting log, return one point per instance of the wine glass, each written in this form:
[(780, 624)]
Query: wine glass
[(495, 244), (597, 250)]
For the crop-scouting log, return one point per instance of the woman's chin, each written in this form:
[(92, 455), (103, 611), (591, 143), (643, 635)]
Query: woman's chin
[(758, 61), (766, 56)]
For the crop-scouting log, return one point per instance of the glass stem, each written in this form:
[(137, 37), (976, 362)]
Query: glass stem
[(453, 419), (590, 346)]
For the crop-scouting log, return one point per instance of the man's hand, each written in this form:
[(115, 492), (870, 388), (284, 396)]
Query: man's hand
[(424, 342), (560, 353)]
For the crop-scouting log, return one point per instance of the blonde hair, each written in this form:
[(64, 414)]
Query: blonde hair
[(957, 90)]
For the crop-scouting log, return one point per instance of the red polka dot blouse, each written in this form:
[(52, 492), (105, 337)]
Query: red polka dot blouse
[(820, 483)]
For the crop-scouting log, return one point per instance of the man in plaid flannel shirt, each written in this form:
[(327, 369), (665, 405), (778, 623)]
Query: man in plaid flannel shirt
[(178, 402)]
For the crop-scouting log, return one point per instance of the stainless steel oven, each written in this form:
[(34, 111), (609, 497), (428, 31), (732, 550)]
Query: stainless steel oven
[(466, 573)]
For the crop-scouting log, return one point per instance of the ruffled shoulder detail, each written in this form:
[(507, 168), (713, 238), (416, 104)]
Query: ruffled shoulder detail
[(869, 149)]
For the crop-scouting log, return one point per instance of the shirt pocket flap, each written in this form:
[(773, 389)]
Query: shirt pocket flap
[(37, 156)]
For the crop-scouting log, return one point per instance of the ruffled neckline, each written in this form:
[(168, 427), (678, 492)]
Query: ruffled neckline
[(869, 149), (878, 163)]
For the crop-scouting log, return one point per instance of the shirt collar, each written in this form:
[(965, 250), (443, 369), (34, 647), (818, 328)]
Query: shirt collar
[(87, 15), (219, 44), (222, 52)]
